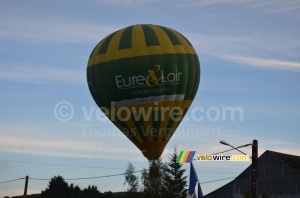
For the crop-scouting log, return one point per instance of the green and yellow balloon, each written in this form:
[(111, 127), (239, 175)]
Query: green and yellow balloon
[(144, 78)]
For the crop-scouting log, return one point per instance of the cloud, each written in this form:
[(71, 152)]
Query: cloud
[(65, 148), (214, 2), (257, 43), (262, 62), (248, 50), (31, 140), (126, 2), (42, 75), (38, 28), (275, 6)]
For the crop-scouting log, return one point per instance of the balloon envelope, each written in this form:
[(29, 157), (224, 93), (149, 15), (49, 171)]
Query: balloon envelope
[(144, 78)]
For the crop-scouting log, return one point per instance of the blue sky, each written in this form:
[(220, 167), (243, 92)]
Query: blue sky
[(249, 54)]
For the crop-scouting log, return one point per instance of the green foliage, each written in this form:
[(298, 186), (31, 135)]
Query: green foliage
[(92, 192), (57, 187), (160, 180), (175, 182), (153, 179), (131, 179), (165, 180)]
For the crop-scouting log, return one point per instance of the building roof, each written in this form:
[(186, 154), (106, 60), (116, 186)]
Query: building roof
[(292, 161)]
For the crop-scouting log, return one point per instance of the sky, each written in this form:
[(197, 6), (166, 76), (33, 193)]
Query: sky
[(249, 56)]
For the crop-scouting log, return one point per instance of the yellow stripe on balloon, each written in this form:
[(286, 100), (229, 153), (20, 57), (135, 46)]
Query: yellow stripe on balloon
[(179, 49), (164, 40), (113, 46), (138, 42), (125, 53)]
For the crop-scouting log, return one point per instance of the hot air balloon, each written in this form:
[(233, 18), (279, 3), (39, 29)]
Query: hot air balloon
[(144, 78)]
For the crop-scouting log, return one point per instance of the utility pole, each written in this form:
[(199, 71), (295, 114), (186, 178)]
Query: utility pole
[(26, 185), (254, 173)]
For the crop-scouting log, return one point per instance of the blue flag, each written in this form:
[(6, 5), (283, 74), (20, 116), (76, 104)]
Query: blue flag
[(192, 185)]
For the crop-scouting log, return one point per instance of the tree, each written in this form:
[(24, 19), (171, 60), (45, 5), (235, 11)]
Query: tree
[(153, 179), (75, 191), (131, 179), (91, 192), (57, 187), (175, 182)]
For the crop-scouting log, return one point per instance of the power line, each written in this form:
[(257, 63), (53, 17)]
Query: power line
[(216, 180), (56, 164), (217, 172), (103, 176), (2, 182), (239, 177), (81, 178)]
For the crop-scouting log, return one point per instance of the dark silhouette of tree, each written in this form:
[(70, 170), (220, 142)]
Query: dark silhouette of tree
[(152, 179), (57, 188), (131, 179), (174, 181), (75, 191), (109, 194), (92, 192)]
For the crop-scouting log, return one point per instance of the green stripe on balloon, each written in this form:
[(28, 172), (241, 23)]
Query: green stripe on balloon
[(150, 36), (126, 39), (104, 46), (155, 59), (172, 36)]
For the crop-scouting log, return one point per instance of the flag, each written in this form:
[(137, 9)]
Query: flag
[(192, 185)]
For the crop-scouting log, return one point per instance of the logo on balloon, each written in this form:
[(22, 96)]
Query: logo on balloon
[(156, 77), (152, 79)]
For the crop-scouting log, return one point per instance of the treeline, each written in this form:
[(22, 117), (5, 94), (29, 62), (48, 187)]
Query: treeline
[(159, 180)]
